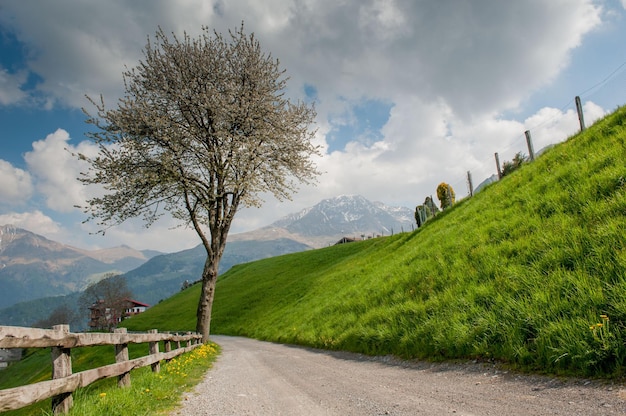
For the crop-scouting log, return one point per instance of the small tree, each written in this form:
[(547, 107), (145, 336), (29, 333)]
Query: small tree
[(61, 315), (518, 160), (106, 300), (203, 129), (431, 206), (425, 211), (446, 196)]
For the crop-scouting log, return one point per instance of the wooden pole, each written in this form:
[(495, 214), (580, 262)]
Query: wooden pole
[(498, 165), (121, 354), (61, 367), (579, 109), (529, 143), (469, 181), (154, 349), (168, 347)]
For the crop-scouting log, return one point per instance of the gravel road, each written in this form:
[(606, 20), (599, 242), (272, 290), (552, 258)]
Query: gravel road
[(260, 378)]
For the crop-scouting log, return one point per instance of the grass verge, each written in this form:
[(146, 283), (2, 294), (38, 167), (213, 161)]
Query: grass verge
[(149, 394)]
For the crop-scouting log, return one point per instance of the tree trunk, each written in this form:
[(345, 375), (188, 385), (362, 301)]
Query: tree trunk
[(203, 315)]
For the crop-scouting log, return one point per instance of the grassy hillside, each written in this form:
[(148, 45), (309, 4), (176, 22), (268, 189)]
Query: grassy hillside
[(530, 271)]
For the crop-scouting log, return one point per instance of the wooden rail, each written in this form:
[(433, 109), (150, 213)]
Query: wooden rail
[(61, 341)]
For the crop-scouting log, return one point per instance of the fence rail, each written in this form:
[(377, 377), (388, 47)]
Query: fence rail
[(63, 382)]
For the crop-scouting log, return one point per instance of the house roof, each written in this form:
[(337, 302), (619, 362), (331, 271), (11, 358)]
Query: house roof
[(137, 303)]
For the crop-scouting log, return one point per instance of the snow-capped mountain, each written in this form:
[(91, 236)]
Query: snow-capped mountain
[(347, 215)]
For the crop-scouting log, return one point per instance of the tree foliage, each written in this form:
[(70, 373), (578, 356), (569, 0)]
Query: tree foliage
[(445, 194), (203, 129), (426, 211), (110, 294), (61, 315), (509, 166)]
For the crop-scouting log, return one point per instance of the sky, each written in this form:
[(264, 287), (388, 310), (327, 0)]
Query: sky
[(408, 93)]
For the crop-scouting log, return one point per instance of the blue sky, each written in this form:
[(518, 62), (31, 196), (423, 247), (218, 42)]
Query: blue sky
[(408, 94)]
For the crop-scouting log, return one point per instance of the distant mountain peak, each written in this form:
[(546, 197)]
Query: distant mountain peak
[(346, 215)]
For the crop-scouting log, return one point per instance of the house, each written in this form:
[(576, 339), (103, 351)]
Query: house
[(106, 315), (134, 307)]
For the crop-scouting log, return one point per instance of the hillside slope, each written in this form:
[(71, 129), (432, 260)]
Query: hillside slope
[(164, 275), (317, 226), (530, 271)]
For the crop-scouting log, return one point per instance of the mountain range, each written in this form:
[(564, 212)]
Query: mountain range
[(37, 274), (31, 266)]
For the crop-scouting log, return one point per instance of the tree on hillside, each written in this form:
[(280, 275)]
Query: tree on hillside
[(446, 196), (61, 315), (509, 166), (425, 211), (105, 301), (203, 129)]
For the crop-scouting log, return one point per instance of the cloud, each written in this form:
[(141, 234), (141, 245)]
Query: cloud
[(375, 48), (470, 55), (11, 87), (15, 185), (551, 125), (35, 221), (55, 170)]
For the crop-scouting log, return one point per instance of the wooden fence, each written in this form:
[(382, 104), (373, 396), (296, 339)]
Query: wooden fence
[(61, 341)]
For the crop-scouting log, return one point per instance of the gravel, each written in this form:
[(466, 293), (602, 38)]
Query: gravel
[(260, 378)]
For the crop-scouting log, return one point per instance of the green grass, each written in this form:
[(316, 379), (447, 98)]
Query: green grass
[(519, 273), (150, 393)]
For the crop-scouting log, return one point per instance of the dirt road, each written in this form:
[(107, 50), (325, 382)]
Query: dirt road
[(260, 378)]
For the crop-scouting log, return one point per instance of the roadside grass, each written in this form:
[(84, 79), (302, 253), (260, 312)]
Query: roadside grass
[(521, 273), (150, 393)]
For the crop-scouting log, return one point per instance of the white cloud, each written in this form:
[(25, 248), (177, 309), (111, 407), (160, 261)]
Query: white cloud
[(11, 87), (15, 185), (551, 125), (375, 48), (35, 221), (56, 171)]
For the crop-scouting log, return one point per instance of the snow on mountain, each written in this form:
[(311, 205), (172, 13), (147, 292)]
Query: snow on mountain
[(347, 215)]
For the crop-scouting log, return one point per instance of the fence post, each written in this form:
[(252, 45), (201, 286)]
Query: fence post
[(154, 349), (579, 109), (61, 367), (469, 181), (498, 165), (168, 346), (529, 143), (121, 354)]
